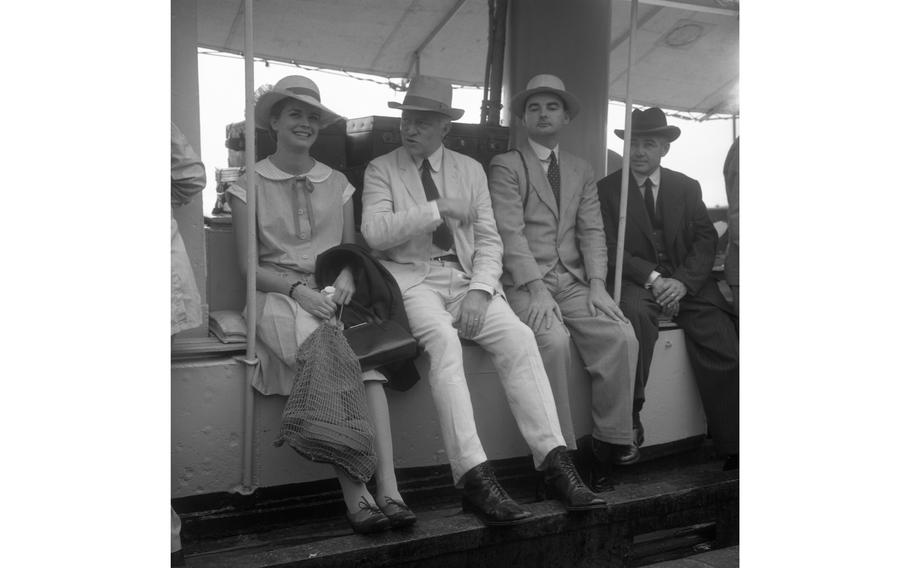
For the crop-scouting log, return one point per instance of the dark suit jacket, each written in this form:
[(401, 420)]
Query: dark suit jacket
[(689, 235), (376, 294)]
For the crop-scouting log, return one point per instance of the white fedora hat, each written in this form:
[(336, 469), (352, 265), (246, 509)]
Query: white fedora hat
[(544, 83)]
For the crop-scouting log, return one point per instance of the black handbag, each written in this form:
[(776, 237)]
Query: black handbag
[(376, 342), (379, 343)]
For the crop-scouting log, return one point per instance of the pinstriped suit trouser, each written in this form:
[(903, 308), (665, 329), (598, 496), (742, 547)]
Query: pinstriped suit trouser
[(712, 344), (432, 307)]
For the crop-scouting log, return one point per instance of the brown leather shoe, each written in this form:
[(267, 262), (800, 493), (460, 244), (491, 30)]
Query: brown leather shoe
[(368, 519), (562, 477), (484, 496), (398, 513)]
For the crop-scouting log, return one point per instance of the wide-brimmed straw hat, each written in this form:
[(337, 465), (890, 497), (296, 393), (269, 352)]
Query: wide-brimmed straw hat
[(650, 122), (296, 87), (429, 94), (544, 83)]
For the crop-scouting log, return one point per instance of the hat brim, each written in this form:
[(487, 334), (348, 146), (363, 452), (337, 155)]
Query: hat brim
[(671, 133), (518, 102), (453, 113), (267, 101)]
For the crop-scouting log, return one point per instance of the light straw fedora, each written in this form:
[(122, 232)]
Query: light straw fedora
[(429, 94), (544, 83), (296, 87)]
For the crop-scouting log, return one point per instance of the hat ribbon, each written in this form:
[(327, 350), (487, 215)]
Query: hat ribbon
[(417, 100), (304, 91)]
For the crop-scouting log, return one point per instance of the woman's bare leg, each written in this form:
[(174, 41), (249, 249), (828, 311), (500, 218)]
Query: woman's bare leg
[(378, 408), (353, 491)]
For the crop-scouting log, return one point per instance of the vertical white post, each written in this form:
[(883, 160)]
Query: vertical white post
[(252, 260), (626, 144)]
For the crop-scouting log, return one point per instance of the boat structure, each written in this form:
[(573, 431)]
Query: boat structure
[(245, 502)]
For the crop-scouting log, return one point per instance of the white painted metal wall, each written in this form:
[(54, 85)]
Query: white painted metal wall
[(207, 420)]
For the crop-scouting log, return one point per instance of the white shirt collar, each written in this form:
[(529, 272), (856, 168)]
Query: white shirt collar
[(267, 169), (435, 160), (542, 152), (655, 178)]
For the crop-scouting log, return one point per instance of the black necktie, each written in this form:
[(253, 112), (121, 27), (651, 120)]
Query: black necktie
[(553, 176), (442, 236), (649, 202)]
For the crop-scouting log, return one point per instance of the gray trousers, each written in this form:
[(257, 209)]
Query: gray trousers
[(608, 349)]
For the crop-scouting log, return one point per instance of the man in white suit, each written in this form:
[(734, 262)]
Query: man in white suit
[(427, 213)]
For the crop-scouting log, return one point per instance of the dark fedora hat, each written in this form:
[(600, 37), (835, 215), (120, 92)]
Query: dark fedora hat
[(651, 122)]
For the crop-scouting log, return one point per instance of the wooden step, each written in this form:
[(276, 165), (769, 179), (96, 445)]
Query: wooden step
[(666, 508)]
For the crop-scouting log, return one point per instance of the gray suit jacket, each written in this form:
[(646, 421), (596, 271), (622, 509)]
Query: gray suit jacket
[(535, 235)]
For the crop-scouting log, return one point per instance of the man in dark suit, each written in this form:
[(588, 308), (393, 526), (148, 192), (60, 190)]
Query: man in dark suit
[(668, 255)]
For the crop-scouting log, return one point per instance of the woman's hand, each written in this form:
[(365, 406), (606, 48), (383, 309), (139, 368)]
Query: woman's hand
[(344, 287), (314, 302)]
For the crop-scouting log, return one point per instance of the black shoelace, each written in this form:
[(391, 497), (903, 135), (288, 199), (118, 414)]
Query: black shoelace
[(487, 475), (569, 468)]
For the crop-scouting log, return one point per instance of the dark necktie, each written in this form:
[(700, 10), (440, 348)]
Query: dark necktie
[(649, 202), (553, 176), (442, 236)]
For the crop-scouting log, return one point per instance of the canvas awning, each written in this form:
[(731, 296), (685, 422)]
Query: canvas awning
[(686, 52)]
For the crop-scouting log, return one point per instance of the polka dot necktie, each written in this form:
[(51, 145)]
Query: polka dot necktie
[(553, 176)]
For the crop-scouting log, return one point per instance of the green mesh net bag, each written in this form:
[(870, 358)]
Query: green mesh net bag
[(325, 419)]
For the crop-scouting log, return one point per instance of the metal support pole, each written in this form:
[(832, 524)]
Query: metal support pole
[(496, 50), (252, 260), (626, 145)]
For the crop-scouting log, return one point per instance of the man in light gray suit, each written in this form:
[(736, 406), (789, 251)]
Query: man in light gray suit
[(555, 266), (427, 213)]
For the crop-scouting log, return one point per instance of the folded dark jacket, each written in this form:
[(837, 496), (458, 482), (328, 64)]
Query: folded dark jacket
[(376, 295)]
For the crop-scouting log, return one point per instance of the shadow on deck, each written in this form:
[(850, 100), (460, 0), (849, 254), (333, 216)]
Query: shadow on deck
[(669, 506)]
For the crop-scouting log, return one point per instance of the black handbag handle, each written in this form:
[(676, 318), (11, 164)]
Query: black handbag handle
[(363, 313)]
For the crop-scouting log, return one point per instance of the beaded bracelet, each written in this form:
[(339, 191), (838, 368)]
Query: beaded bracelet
[(293, 286)]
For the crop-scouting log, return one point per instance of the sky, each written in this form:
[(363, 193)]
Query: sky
[(699, 152)]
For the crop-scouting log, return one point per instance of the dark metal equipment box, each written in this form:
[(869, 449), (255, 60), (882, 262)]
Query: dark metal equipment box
[(329, 147), (372, 136)]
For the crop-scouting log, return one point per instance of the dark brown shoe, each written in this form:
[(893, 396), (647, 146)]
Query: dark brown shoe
[(369, 519), (562, 477), (398, 513), (484, 496)]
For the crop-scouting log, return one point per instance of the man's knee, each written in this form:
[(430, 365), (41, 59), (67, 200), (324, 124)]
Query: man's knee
[(440, 337), (555, 340), (627, 335)]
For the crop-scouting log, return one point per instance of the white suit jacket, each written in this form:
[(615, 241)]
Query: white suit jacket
[(398, 222)]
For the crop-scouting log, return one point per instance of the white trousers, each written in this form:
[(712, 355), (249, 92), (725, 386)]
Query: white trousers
[(175, 531), (432, 308)]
